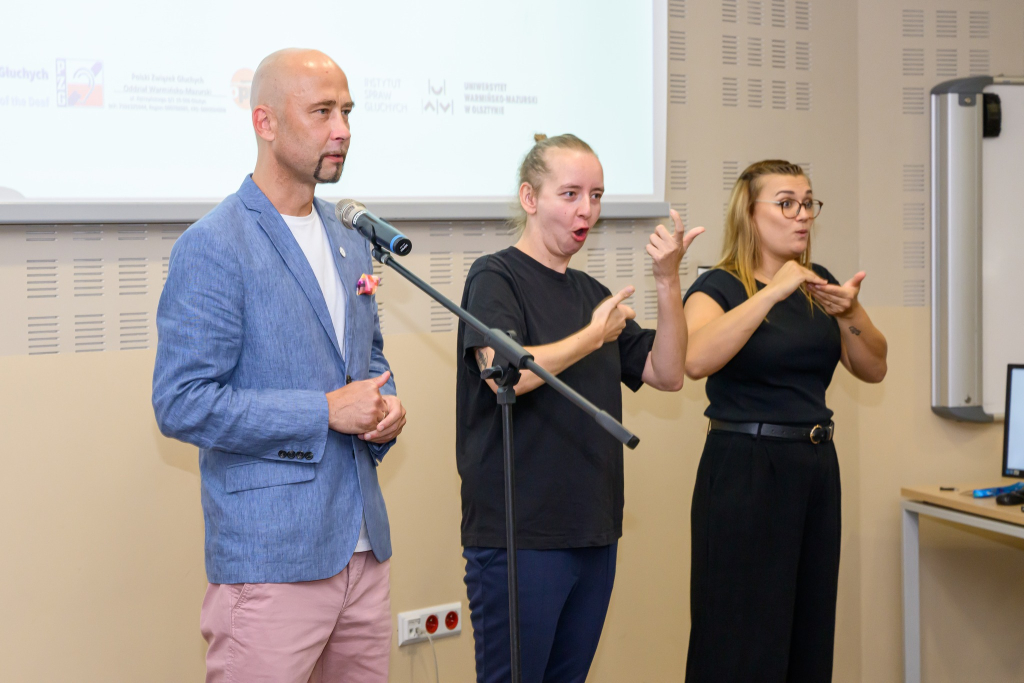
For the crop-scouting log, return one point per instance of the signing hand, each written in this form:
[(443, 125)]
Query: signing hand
[(789, 278), (668, 248), (610, 316), (357, 408), (838, 300), (392, 424)]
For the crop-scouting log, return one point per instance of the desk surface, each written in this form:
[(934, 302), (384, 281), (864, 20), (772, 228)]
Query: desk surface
[(962, 500)]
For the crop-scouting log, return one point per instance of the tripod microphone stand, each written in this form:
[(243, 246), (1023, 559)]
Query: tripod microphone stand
[(509, 359)]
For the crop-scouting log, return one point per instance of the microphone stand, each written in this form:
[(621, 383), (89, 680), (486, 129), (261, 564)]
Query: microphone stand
[(509, 359)]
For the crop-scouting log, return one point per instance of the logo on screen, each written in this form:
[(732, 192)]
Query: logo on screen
[(437, 101), (241, 87), (79, 83)]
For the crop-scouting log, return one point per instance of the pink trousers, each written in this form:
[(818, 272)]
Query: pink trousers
[(327, 631)]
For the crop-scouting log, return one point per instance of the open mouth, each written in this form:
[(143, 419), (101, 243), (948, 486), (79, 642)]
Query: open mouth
[(581, 234)]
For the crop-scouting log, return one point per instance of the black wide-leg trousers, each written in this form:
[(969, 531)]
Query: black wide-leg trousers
[(765, 526)]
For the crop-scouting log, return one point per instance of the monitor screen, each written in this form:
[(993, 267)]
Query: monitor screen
[(1013, 435)]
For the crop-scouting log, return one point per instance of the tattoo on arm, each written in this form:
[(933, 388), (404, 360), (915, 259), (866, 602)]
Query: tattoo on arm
[(481, 359), (854, 330)]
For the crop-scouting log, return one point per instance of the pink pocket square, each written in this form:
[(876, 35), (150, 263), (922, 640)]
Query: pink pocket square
[(367, 284)]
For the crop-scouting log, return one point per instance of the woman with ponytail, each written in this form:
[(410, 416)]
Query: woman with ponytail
[(569, 483), (767, 328)]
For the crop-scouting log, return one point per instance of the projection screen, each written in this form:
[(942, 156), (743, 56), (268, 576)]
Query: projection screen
[(118, 111)]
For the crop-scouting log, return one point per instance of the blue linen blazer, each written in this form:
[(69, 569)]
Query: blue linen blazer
[(245, 356)]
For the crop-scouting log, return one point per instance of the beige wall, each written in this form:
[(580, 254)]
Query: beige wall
[(970, 582), (103, 543), (102, 572), (971, 588)]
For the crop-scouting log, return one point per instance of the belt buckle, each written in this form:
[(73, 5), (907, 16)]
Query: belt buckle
[(818, 434)]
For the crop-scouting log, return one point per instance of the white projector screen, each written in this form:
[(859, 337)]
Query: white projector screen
[(128, 111)]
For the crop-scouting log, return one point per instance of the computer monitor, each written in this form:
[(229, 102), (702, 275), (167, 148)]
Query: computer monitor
[(1013, 428)]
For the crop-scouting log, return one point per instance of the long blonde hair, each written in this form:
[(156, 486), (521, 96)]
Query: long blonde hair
[(535, 167), (741, 248)]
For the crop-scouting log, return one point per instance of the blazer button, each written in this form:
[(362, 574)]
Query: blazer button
[(291, 455), (348, 379), (309, 455), (281, 454)]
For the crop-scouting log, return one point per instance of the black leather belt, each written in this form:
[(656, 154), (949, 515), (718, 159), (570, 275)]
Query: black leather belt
[(814, 434)]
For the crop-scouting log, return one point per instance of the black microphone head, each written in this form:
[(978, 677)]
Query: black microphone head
[(347, 210), (402, 246)]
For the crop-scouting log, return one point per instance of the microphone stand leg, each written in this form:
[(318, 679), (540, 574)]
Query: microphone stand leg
[(506, 397)]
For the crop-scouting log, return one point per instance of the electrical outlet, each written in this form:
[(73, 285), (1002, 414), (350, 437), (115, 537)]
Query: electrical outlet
[(440, 621)]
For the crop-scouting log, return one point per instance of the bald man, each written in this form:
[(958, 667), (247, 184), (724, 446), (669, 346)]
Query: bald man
[(272, 364)]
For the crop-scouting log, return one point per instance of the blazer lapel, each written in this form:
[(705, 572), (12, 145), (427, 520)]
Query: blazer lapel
[(281, 237), (346, 265)]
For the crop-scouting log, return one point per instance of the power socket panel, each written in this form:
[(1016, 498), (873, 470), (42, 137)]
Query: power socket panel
[(413, 625)]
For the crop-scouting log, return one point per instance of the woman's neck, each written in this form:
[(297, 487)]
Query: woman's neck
[(770, 265), (532, 244)]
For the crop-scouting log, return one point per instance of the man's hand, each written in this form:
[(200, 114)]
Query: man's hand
[(610, 316), (392, 424), (358, 408), (668, 248)]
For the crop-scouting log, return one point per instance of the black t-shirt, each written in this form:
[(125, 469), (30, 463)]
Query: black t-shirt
[(568, 470), (781, 373)]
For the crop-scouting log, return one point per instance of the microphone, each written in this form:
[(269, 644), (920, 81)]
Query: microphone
[(354, 216)]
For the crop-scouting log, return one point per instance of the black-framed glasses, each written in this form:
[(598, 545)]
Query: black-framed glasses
[(791, 207)]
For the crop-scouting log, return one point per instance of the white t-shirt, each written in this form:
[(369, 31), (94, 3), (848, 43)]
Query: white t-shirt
[(309, 232)]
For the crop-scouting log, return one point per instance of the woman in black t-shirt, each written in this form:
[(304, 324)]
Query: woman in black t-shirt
[(569, 486), (767, 329)]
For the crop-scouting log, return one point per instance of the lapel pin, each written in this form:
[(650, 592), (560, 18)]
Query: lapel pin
[(367, 284), (342, 251)]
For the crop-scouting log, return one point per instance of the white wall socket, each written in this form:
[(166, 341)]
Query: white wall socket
[(414, 624)]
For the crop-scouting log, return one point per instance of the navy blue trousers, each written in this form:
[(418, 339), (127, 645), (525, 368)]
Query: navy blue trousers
[(563, 600)]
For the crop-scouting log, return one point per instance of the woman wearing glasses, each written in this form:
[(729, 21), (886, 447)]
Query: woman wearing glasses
[(767, 328)]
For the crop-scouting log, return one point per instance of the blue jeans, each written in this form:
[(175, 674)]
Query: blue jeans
[(563, 600)]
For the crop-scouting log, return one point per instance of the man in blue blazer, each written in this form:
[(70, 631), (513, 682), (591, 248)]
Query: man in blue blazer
[(272, 363)]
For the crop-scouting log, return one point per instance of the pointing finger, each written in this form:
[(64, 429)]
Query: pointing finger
[(623, 294)]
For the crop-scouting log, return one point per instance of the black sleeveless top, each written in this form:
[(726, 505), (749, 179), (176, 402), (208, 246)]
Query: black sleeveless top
[(781, 373)]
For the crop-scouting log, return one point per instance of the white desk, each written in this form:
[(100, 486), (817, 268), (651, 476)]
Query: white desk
[(959, 507)]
